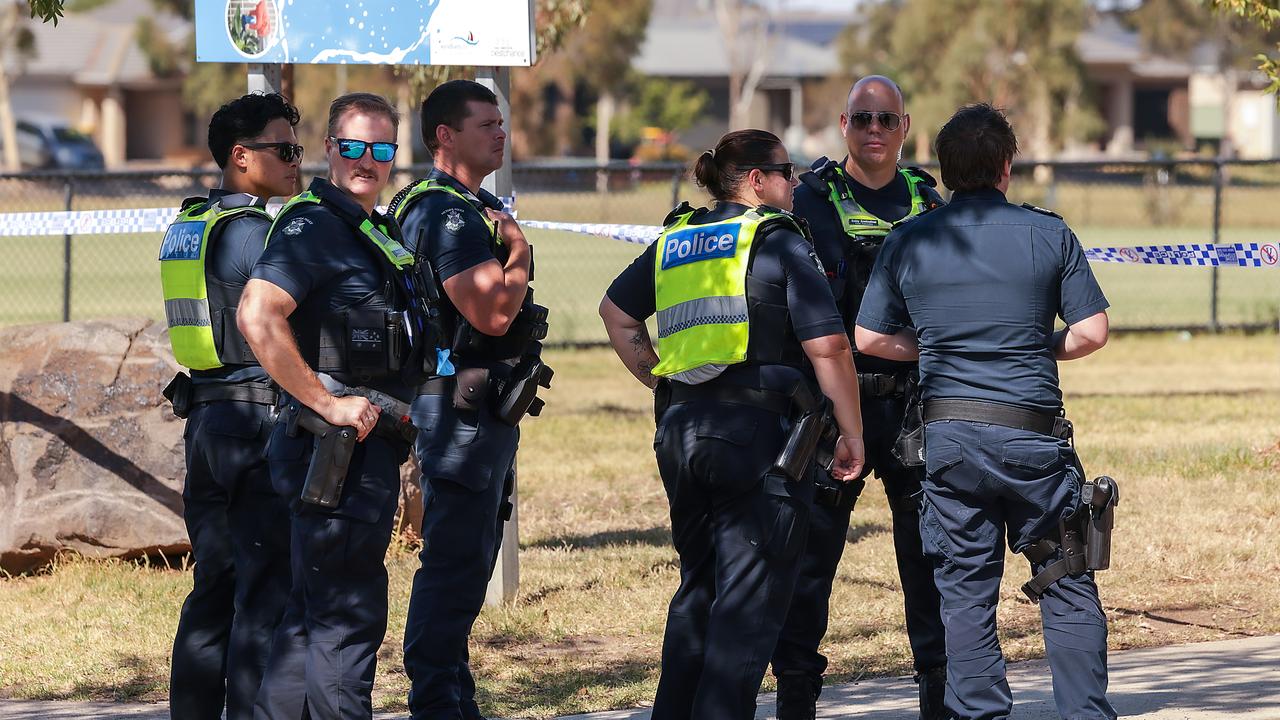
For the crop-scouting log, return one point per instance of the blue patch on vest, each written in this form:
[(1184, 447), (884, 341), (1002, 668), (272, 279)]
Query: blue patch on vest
[(704, 242), (183, 241)]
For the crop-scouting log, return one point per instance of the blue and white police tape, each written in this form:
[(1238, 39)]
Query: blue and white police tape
[(156, 220)]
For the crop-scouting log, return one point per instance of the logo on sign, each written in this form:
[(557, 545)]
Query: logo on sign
[(1226, 254), (1270, 254), (700, 243), (183, 241), (1129, 254)]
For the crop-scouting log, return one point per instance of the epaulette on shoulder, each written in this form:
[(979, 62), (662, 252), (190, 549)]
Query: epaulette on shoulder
[(193, 201), (819, 174), (681, 209), (923, 175), (1041, 210)]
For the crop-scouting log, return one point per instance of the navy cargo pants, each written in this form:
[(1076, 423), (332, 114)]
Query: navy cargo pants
[(240, 540), (466, 458), (738, 529), (325, 652), (983, 482), (797, 652)]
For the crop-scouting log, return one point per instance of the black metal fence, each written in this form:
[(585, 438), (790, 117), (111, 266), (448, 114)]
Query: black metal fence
[(46, 278)]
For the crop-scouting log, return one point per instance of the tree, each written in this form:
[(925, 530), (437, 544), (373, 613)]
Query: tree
[(13, 34), (1018, 55), (744, 27), (602, 52), (1264, 14)]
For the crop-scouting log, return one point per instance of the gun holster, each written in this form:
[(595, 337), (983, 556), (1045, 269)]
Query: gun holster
[(835, 494), (1084, 538), (908, 449), (333, 449), (517, 394), (179, 393), (798, 451)]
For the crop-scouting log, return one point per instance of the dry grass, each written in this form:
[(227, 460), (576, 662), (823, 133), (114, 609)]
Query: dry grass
[(1184, 424)]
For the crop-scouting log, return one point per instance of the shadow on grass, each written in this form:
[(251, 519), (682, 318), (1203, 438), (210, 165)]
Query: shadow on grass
[(144, 679), (658, 536), (564, 690), (857, 533)]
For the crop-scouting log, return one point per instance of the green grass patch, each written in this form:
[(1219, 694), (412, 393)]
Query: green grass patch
[(1188, 426)]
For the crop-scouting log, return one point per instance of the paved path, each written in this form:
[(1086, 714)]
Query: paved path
[(1226, 680)]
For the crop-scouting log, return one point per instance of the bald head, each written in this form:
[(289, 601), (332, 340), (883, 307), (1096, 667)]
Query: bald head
[(878, 87)]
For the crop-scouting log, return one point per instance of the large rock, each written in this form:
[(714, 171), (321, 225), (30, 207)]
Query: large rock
[(91, 456), (90, 453)]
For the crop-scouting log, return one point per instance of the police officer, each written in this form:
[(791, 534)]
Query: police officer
[(467, 413), (746, 324), (850, 206), (235, 522), (981, 282), (328, 312)]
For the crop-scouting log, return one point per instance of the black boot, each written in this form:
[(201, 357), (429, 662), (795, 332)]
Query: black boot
[(933, 687), (798, 696)]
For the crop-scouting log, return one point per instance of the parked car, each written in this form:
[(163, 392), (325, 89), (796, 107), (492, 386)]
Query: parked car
[(52, 144)]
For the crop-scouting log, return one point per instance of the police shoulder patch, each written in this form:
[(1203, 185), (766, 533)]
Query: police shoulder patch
[(453, 220), (296, 226), (1041, 210)]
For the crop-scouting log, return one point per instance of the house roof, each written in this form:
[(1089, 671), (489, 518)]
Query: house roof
[(1108, 42), (98, 47), (694, 47)]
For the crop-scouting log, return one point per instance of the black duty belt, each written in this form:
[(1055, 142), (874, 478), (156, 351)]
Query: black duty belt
[(997, 414), (882, 384), (250, 393), (771, 400)]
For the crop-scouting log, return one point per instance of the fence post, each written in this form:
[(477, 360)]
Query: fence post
[(1218, 179), (675, 186), (68, 195)]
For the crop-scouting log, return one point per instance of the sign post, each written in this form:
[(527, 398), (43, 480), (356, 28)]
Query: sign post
[(493, 36), (506, 573)]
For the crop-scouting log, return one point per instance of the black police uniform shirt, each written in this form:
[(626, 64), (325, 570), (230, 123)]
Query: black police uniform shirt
[(453, 236), (890, 203), (982, 281), (327, 266), (237, 244), (783, 258)]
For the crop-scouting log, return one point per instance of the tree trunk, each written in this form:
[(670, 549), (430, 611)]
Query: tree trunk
[(604, 118), (8, 127)]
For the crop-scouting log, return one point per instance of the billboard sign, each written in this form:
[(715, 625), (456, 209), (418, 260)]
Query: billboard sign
[(373, 32)]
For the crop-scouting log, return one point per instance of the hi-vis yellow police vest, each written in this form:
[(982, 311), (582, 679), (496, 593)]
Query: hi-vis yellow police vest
[(855, 220), (186, 290), (700, 284), (426, 186)]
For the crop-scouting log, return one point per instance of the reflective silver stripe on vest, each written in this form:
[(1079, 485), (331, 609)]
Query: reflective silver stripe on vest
[(185, 312), (722, 310)]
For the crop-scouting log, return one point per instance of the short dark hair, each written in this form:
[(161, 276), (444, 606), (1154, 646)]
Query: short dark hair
[(974, 146), (721, 171), (365, 102), (447, 105), (244, 118)]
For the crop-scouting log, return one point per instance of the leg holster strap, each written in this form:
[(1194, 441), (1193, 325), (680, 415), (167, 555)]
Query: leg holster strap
[(1072, 561)]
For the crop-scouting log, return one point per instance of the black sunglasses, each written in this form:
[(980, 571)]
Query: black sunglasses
[(888, 120), (787, 169), (288, 152), (354, 149)]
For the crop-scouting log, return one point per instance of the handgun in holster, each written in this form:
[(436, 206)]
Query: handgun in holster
[(1099, 498), (333, 449), (827, 491), (793, 461), (517, 394), (393, 419)]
